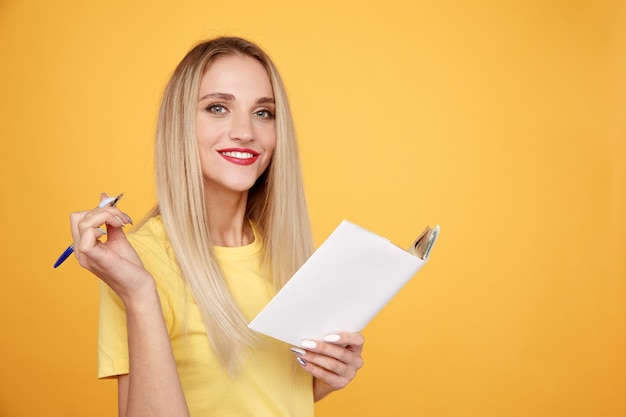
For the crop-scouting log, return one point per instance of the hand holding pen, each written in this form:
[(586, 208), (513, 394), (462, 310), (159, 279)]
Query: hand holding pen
[(106, 202), (114, 261)]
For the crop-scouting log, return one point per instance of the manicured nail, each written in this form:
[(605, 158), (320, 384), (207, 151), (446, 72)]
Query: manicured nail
[(128, 218), (121, 221), (301, 361), (332, 338), (298, 351), (309, 344), (101, 230)]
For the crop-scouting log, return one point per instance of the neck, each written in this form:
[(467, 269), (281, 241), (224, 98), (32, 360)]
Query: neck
[(227, 219)]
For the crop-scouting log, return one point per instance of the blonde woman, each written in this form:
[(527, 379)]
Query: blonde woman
[(230, 228)]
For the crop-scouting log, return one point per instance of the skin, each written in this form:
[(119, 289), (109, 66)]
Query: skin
[(234, 121), (235, 112), (333, 364), (155, 387)]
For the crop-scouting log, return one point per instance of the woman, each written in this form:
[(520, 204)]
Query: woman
[(230, 228)]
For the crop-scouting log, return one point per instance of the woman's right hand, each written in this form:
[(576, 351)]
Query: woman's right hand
[(114, 261), (152, 386)]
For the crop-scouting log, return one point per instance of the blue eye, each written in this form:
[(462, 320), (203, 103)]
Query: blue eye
[(216, 108), (265, 114)]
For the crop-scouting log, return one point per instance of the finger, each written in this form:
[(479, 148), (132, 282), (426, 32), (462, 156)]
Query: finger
[(84, 221), (103, 197), (340, 360), (335, 379), (353, 340), (341, 346), (108, 206), (110, 216), (92, 252), (106, 201), (329, 350), (87, 247), (337, 359), (75, 218), (86, 224)]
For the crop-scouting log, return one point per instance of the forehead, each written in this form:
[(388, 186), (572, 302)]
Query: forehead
[(236, 74)]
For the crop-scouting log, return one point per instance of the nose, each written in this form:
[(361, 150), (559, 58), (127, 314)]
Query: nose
[(241, 128)]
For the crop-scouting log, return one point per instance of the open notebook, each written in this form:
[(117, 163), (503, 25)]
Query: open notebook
[(343, 285)]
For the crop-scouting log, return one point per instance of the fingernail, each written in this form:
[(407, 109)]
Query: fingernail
[(101, 230), (301, 361), (121, 221), (128, 218), (298, 351), (309, 344), (332, 338)]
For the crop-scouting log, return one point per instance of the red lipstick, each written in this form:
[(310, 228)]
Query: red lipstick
[(239, 156)]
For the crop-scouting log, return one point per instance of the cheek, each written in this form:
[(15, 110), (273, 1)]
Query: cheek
[(209, 131), (270, 148), (270, 139), (204, 135)]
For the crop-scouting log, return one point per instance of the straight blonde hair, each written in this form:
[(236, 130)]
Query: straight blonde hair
[(276, 203)]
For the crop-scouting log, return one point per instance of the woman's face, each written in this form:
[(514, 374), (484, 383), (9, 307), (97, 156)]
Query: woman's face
[(235, 123)]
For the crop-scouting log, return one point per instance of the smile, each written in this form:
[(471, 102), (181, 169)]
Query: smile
[(240, 156)]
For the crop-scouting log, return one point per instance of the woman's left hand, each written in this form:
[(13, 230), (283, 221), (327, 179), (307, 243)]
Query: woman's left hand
[(333, 362)]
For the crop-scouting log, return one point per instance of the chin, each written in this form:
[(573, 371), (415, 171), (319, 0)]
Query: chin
[(239, 187)]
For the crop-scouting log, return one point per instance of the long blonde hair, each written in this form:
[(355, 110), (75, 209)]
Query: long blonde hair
[(276, 203)]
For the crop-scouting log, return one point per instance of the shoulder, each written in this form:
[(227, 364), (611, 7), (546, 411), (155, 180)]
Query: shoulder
[(149, 229), (152, 245), (151, 234)]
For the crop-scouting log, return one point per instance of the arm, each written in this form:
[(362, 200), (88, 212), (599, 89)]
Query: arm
[(152, 387), (333, 362)]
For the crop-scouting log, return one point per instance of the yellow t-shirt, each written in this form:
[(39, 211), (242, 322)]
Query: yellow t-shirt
[(268, 384)]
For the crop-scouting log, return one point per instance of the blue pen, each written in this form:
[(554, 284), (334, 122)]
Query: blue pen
[(112, 201)]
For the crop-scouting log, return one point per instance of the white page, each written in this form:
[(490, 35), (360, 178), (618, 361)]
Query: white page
[(341, 287)]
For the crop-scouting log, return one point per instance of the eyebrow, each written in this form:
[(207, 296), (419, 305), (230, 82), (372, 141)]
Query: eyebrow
[(230, 97)]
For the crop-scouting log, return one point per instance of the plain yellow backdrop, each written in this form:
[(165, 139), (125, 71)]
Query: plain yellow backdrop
[(503, 121)]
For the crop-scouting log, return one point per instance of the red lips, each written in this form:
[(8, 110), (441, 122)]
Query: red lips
[(239, 156)]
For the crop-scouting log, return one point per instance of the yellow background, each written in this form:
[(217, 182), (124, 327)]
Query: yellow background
[(503, 121)]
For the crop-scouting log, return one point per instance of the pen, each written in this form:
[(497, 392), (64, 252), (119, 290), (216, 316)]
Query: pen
[(112, 201)]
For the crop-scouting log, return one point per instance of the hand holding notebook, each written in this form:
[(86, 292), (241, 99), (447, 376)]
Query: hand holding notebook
[(343, 285)]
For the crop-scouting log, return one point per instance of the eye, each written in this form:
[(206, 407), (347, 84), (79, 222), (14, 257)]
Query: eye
[(217, 108), (264, 114)]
